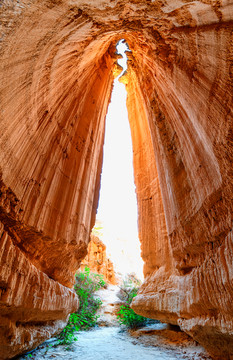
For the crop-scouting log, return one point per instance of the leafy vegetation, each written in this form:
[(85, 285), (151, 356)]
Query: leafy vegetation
[(126, 316), (87, 283)]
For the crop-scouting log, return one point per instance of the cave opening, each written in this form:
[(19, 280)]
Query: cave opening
[(117, 209)]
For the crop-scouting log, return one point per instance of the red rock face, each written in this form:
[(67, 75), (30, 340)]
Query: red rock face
[(57, 69)]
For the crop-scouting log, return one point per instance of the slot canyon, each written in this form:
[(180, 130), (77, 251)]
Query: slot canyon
[(58, 63)]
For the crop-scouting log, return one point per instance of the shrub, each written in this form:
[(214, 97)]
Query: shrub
[(126, 316), (129, 318), (86, 285), (67, 336)]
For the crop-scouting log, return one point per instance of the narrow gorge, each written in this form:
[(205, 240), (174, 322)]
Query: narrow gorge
[(58, 63)]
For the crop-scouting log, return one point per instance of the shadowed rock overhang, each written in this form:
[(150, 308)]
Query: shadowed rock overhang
[(57, 68)]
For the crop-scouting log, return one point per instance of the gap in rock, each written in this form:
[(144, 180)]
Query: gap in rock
[(117, 211)]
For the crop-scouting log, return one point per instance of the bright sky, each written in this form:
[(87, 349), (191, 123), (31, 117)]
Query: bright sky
[(117, 205)]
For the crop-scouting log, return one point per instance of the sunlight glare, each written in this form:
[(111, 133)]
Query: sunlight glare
[(117, 205)]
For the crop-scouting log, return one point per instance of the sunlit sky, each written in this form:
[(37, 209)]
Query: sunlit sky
[(117, 205)]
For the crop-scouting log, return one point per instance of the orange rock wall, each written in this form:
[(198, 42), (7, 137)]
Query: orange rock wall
[(57, 67), (55, 87), (98, 262), (182, 99), (32, 305)]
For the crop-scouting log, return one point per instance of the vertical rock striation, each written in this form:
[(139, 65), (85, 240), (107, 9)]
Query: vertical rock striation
[(180, 110), (57, 67), (55, 87)]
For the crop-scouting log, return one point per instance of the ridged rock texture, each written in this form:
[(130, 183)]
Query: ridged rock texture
[(98, 262), (57, 67)]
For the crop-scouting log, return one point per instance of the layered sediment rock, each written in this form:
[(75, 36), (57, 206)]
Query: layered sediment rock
[(57, 69), (33, 306), (98, 262)]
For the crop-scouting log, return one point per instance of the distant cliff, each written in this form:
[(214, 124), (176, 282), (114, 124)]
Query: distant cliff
[(98, 261)]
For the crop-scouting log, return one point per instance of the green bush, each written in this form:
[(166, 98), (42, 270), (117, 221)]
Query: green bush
[(86, 285), (67, 336), (126, 316)]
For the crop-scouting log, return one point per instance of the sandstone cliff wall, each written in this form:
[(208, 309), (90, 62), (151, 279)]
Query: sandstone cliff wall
[(57, 67)]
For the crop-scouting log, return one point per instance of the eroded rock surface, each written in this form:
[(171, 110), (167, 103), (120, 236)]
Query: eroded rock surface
[(98, 262), (57, 69)]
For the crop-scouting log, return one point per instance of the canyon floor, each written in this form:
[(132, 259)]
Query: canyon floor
[(111, 342)]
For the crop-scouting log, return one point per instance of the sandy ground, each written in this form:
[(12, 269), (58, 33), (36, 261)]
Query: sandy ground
[(110, 342)]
